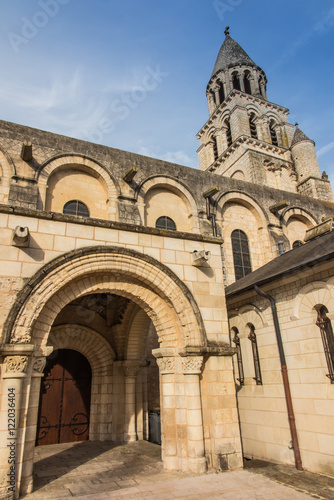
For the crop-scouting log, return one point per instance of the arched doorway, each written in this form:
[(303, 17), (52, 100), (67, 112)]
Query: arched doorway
[(64, 407)]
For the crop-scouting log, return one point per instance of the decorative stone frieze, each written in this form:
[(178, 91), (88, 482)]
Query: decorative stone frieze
[(15, 364), (192, 364), (166, 365)]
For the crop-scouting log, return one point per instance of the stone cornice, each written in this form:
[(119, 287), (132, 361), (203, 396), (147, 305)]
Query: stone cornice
[(244, 139), (122, 226)]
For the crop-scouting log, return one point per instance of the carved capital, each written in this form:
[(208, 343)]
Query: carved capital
[(39, 365), (166, 365), (192, 364), (15, 364), (131, 371)]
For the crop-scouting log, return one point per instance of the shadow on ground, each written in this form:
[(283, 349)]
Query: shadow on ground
[(317, 485)]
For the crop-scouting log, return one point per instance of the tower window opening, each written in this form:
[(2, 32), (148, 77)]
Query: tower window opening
[(256, 359), (215, 148), (247, 85), (236, 82), (327, 336), (228, 133), (236, 341), (221, 93), (213, 98), (241, 254), (260, 86), (76, 207), (252, 127), (273, 134), (165, 222)]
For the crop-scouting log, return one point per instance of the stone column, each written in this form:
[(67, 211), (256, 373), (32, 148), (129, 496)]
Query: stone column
[(242, 83), (166, 366), (130, 377), (14, 368), (38, 365), (192, 366), (217, 97)]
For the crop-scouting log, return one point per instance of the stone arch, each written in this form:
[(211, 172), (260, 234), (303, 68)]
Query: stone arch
[(137, 331), (238, 175), (252, 314), (295, 222), (317, 292), (155, 288), (251, 220), (225, 116), (298, 212), (251, 109), (7, 171), (175, 186), (81, 162), (100, 356)]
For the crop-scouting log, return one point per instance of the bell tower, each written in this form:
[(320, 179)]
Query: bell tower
[(247, 137)]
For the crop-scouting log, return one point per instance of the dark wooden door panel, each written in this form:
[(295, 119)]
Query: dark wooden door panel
[(65, 399)]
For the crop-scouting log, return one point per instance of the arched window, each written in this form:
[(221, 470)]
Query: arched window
[(273, 134), (247, 84), (252, 126), (236, 81), (241, 255), (297, 244), (236, 341), (228, 132), (76, 207), (327, 336), (221, 93), (256, 359), (165, 222)]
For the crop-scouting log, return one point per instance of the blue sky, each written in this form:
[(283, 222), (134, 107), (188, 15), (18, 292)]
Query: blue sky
[(132, 74)]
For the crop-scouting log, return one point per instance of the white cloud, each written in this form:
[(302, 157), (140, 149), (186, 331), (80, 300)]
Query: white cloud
[(325, 149), (180, 157)]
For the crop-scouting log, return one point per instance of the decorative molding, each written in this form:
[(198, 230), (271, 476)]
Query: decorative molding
[(16, 364), (192, 364), (166, 365)]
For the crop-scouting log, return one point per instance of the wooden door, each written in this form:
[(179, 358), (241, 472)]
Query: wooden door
[(65, 399)]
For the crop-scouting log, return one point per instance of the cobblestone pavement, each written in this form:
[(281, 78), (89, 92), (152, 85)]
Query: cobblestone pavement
[(102, 471)]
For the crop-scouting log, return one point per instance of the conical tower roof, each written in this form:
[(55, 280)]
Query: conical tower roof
[(299, 136), (231, 54)]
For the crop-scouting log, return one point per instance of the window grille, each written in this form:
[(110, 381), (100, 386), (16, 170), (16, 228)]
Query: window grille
[(241, 255), (76, 207), (252, 338), (236, 341), (325, 325), (165, 222)]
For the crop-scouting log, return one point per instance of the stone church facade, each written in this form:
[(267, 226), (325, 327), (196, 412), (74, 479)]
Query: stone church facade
[(128, 290)]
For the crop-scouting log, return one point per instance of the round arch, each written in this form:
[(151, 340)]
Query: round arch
[(155, 288), (297, 212), (176, 187), (246, 200), (100, 356), (61, 162), (317, 292)]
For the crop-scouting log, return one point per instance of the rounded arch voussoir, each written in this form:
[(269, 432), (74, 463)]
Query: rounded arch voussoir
[(155, 288)]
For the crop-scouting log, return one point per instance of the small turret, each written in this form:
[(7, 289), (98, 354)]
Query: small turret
[(310, 181)]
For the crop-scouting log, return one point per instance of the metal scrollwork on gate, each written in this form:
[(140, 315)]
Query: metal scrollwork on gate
[(74, 424)]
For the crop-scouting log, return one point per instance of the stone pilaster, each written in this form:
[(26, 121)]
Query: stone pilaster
[(131, 369)]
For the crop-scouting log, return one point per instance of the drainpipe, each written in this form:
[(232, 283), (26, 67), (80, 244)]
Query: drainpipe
[(286, 384)]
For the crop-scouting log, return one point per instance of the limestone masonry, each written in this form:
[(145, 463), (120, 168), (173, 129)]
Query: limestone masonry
[(144, 300)]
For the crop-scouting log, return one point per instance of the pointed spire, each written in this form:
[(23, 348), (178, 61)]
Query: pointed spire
[(299, 136), (231, 54)]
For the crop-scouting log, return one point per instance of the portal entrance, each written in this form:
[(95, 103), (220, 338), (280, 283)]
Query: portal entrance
[(64, 407)]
